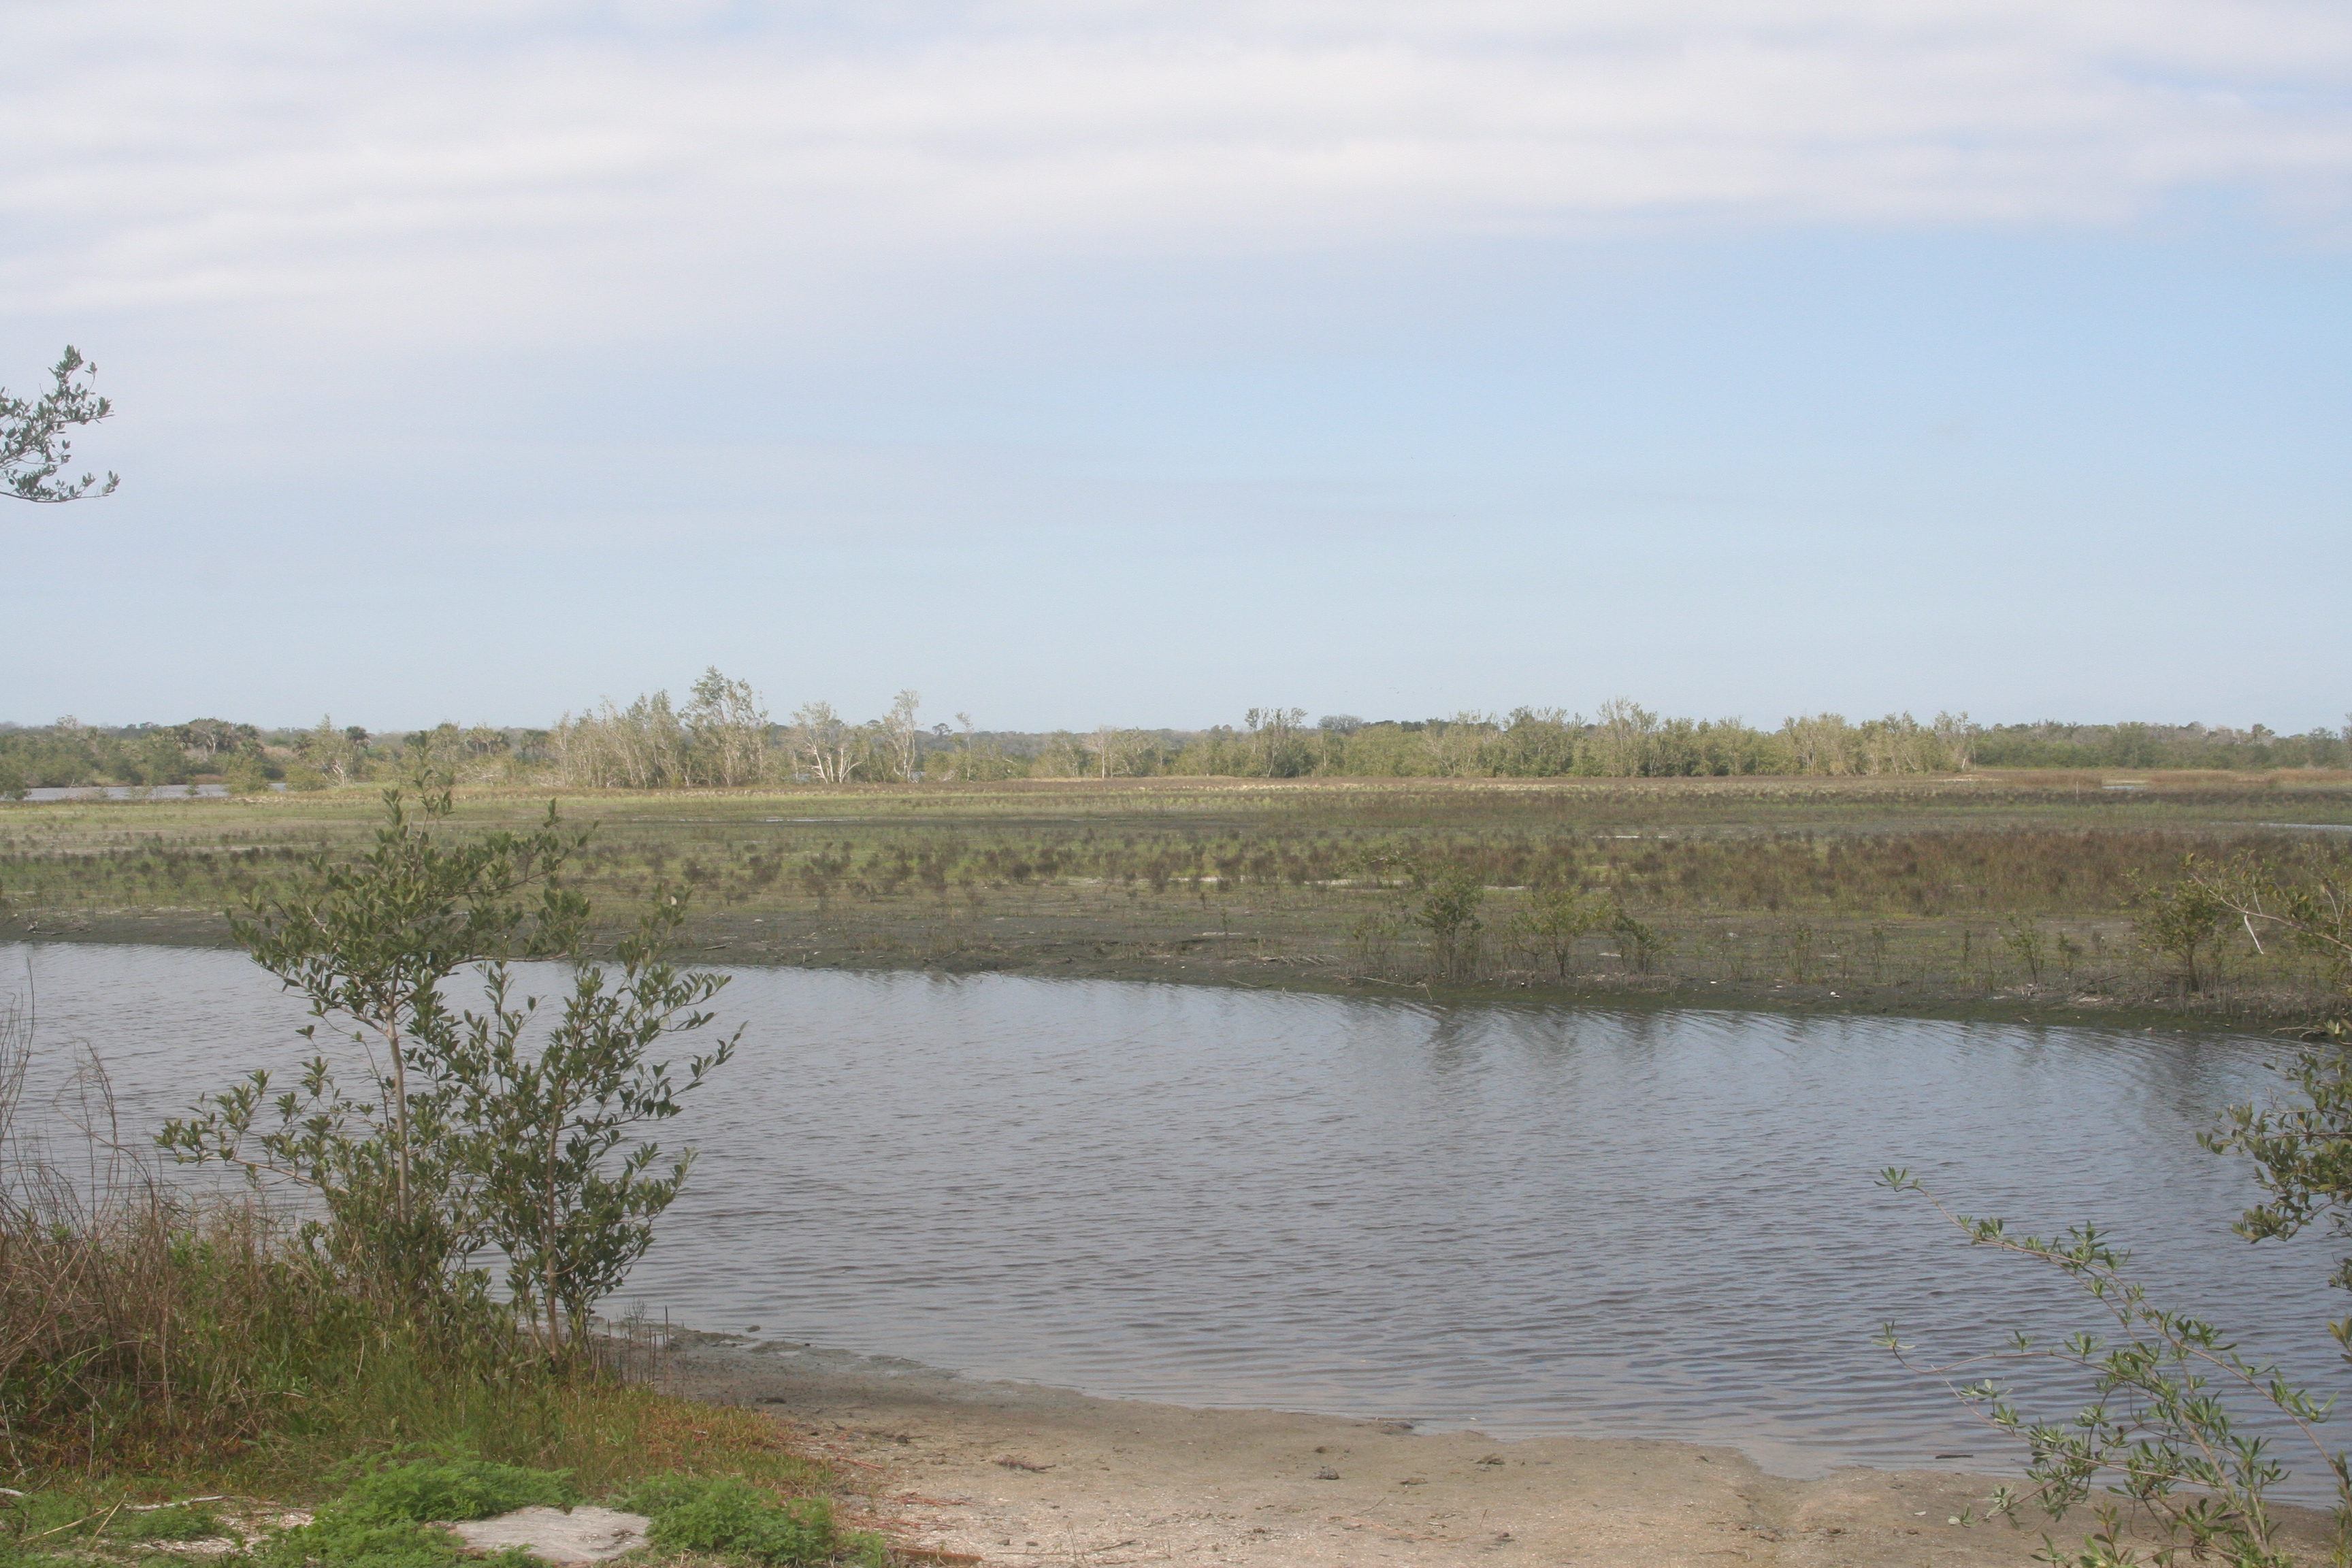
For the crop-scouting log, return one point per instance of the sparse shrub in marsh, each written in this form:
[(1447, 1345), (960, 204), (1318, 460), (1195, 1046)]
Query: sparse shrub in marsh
[(1371, 938), (1451, 898), (2025, 945), (2180, 920), (1639, 943), (1557, 916), (1796, 944)]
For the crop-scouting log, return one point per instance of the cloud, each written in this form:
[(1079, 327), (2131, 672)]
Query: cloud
[(493, 159)]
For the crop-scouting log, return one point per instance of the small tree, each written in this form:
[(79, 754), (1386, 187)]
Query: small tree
[(1639, 943), (1450, 901), (542, 1134), (470, 1136), (2303, 1150), (371, 944), (2161, 1436), (34, 445), (2179, 920), (1559, 914)]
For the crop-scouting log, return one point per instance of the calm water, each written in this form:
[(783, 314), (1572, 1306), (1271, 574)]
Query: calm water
[(1528, 1220)]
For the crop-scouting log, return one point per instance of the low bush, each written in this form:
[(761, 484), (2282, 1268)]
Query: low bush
[(727, 1516)]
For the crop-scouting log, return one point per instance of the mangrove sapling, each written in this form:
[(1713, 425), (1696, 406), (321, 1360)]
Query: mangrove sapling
[(2180, 920), (371, 944), (1641, 944), (2023, 940), (1557, 915), (2159, 1436), (541, 1135), (1450, 901)]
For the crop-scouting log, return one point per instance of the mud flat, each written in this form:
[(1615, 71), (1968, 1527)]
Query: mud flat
[(1025, 1476)]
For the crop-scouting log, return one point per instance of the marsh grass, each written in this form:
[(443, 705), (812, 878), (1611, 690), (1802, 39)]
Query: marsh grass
[(1945, 887)]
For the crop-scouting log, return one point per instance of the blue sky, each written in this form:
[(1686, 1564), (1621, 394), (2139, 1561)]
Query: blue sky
[(1141, 363)]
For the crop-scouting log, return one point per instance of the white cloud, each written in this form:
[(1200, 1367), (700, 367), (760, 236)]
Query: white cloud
[(526, 156)]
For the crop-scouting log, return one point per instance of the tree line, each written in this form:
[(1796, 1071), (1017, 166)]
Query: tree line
[(724, 734)]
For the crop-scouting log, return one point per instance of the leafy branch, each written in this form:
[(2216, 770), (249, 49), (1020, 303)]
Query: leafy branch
[(2159, 1438), (34, 447)]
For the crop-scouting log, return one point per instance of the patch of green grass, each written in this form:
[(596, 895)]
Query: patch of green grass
[(449, 1488), (182, 1522), (727, 1516), (387, 1517)]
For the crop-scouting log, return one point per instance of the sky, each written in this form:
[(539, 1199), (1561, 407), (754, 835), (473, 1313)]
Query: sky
[(1140, 363)]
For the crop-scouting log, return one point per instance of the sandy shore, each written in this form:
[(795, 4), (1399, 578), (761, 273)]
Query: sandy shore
[(1020, 1474)]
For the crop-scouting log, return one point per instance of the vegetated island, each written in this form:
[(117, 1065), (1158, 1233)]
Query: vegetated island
[(2049, 894)]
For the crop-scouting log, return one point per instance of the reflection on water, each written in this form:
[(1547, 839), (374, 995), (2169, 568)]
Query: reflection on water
[(1531, 1220)]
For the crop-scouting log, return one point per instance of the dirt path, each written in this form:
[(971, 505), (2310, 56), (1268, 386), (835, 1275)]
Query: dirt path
[(1024, 1477)]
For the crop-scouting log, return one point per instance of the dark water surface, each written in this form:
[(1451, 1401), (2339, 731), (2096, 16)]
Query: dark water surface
[(1530, 1220)]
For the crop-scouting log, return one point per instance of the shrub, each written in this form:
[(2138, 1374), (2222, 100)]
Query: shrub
[(247, 775)]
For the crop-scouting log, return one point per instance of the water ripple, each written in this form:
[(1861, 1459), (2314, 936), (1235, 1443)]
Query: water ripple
[(1534, 1220)]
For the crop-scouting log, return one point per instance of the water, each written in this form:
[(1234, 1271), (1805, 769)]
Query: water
[(1528, 1220), (129, 791)]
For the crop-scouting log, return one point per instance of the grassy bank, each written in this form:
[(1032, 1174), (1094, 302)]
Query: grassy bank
[(1984, 890), (216, 1363), (152, 1350)]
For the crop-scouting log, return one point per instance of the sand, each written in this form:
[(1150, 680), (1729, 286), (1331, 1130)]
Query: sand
[(1017, 1474)]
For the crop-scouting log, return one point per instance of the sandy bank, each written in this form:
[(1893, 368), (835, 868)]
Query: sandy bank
[(1020, 1474)]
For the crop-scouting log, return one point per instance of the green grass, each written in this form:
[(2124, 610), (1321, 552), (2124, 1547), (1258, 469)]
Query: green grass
[(385, 1512)]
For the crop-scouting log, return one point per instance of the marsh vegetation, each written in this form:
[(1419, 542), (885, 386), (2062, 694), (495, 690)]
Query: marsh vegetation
[(2040, 890)]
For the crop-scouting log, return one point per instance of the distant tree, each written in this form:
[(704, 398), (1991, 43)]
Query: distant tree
[(34, 450), (1624, 735), (824, 743), (902, 735), (728, 724), (1280, 752), (332, 751), (1455, 744), (1958, 736), (208, 738)]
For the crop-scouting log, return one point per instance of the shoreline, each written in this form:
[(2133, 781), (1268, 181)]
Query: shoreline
[(1016, 1475), (734, 942)]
